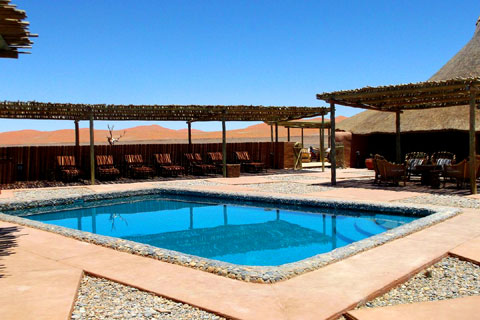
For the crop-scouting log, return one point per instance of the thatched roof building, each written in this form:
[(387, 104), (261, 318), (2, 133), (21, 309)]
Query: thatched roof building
[(465, 64)]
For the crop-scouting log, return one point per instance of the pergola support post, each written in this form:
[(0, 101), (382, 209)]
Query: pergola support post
[(473, 151), (333, 160), (302, 137), (189, 124), (276, 131), (398, 150), (288, 134), (77, 141), (92, 151), (224, 148), (271, 133), (322, 136)]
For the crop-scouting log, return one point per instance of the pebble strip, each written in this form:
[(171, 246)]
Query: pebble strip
[(256, 274), (448, 279), (443, 200), (288, 188), (103, 299)]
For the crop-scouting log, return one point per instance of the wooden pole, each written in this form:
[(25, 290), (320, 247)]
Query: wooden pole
[(77, 142), (288, 134), (189, 136), (92, 151), (473, 152), (276, 132), (328, 137), (398, 146), (271, 133), (224, 148), (333, 161), (77, 134), (322, 133), (302, 137)]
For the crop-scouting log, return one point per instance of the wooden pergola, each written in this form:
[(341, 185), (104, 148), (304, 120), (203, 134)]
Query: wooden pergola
[(413, 96), (188, 113), (321, 126), (14, 33)]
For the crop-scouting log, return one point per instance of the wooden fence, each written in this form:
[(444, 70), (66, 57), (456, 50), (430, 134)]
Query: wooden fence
[(39, 163)]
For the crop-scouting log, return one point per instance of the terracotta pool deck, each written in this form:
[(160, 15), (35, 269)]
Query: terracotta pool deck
[(40, 271)]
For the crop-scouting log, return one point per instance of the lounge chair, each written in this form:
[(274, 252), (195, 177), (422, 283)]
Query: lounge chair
[(105, 168), (165, 167), (392, 172), (136, 168), (247, 164), (67, 168), (414, 159), (196, 165), (216, 158)]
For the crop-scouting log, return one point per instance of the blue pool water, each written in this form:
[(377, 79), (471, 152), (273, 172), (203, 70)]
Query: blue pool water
[(240, 234)]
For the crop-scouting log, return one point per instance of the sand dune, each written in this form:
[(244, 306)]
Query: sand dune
[(146, 134)]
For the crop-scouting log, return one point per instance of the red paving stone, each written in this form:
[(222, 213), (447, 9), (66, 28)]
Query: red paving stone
[(469, 251), (461, 308)]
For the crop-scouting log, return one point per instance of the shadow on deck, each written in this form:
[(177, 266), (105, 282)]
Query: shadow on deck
[(8, 241)]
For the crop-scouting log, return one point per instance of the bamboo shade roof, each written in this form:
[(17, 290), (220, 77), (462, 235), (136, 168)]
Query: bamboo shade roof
[(305, 124), (422, 95), (14, 33), (190, 113)]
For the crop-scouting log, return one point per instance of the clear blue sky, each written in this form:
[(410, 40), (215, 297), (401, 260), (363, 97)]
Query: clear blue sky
[(226, 52)]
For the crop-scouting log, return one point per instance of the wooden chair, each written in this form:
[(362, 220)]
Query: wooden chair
[(164, 165), (67, 168), (460, 172), (247, 164), (392, 172), (196, 165), (216, 158), (376, 168), (414, 159), (105, 168), (136, 168)]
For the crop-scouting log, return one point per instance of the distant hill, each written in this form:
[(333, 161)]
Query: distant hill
[(146, 134)]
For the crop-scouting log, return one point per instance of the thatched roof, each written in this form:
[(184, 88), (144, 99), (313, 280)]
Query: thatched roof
[(465, 64), (14, 32)]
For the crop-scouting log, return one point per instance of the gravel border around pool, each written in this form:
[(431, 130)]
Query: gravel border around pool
[(256, 274)]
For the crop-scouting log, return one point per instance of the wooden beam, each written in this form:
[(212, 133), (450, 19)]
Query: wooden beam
[(92, 151), (288, 134), (398, 150), (224, 148), (189, 136), (271, 133), (473, 152), (302, 136), (333, 160), (77, 134)]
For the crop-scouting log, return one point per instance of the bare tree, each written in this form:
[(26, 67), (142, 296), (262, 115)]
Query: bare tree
[(111, 140)]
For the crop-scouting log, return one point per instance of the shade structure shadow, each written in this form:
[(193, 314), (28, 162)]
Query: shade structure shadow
[(8, 241)]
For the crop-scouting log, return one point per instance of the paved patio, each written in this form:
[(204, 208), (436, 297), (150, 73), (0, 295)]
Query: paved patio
[(40, 271)]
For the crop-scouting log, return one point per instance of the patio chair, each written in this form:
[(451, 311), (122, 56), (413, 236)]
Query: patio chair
[(67, 168), (414, 159), (196, 165), (246, 162), (443, 158), (216, 158), (392, 172), (136, 168), (460, 172), (164, 165), (376, 168), (105, 168)]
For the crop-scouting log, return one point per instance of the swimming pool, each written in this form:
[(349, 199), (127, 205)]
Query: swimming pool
[(242, 233)]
